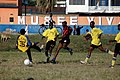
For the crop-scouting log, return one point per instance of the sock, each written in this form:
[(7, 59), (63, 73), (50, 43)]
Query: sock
[(113, 61), (109, 52), (49, 55), (69, 49), (87, 58), (53, 59)]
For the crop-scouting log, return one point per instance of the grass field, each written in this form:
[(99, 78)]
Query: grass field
[(68, 67)]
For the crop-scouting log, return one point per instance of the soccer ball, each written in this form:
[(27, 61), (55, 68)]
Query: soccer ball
[(27, 62)]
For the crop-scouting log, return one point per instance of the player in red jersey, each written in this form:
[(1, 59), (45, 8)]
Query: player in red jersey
[(64, 42)]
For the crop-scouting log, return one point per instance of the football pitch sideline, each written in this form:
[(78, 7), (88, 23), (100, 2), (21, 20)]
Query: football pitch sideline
[(68, 67)]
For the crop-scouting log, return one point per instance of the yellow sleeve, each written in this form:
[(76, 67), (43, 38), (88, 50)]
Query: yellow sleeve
[(45, 33), (88, 33), (57, 31), (117, 38), (100, 31)]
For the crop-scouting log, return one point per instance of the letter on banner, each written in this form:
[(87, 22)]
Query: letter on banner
[(100, 21), (21, 20), (109, 20), (46, 22), (33, 21), (73, 20), (60, 20), (90, 19)]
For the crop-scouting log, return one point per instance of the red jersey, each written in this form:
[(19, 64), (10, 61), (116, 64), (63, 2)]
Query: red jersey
[(67, 31)]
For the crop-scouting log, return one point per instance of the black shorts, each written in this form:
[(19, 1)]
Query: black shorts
[(94, 46), (65, 40), (117, 48), (50, 44)]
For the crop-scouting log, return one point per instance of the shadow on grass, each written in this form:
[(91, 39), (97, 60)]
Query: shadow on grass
[(118, 64), (30, 78), (43, 62), (4, 60)]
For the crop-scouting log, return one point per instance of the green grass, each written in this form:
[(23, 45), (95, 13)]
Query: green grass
[(68, 67)]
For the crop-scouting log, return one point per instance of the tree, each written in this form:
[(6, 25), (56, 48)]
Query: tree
[(45, 5)]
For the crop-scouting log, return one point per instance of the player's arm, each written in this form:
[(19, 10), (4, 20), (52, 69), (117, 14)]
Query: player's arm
[(57, 34), (100, 35), (117, 38), (66, 33), (88, 37), (112, 41), (17, 42), (29, 42)]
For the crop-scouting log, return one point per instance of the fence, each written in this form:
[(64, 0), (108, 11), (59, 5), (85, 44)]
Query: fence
[(34, 28)]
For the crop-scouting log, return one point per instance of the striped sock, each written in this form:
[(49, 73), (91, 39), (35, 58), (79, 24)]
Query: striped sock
[(113, 61), (87, 58)]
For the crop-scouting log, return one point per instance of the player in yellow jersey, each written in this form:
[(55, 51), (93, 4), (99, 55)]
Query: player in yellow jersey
[(117, 47), (51, 34), (88, 35), (95, 43), (24, 44)]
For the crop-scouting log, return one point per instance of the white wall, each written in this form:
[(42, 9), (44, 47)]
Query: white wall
[(76, 8)]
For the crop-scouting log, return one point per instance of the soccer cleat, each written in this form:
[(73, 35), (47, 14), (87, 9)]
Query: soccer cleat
[(111, 66), (71, 51), (42, 46), (83, 62), (48, 60), (53, 61), (30, 64)]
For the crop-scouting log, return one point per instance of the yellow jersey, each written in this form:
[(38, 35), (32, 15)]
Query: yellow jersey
[(88, 33), (51, 34), (95, 33), (23, 43), (117, 38)]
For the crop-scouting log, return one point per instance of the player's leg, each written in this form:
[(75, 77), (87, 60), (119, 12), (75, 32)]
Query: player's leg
[(46, 51), (114, 60), (65, 46), (105, 50), (52, 45), (29, 54), (57, 51), (92, 47), (116, 52), (36, 47)]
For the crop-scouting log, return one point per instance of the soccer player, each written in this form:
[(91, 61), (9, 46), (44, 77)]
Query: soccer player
[(88, 35), (95, 43), (51, 34), (24, 44), (117, 47), (64, 42)]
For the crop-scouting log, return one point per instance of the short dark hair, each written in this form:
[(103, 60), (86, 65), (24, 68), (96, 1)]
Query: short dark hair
[(64, 22), (22, 31), (87, 30), (92, 22), (118, 24)]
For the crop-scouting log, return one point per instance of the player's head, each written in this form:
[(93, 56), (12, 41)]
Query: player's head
[(22, 31), (92, 24), (87, 30), (64, 23), (50, 25), (118, 26)]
